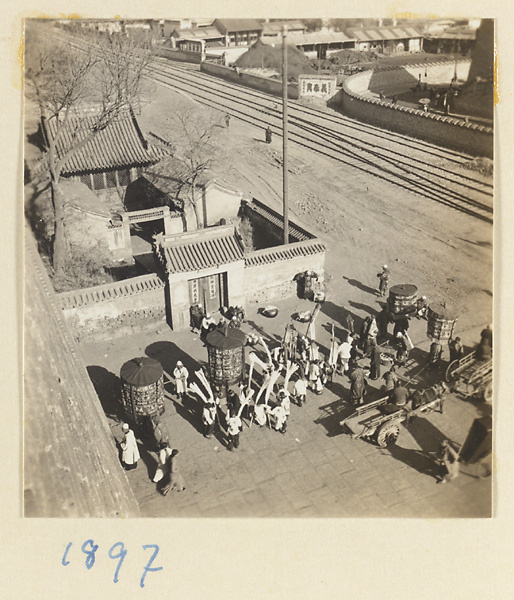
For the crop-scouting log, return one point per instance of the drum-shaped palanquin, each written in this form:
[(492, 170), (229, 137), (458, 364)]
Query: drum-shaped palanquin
[(441, 320), (225, 348), (142, 388), (402, 300)]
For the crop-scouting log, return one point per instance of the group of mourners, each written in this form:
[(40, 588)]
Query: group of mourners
[(299, 361), (203, 322), (167, 473)]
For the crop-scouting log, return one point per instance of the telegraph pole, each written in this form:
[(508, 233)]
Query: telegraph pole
[(284, 134)]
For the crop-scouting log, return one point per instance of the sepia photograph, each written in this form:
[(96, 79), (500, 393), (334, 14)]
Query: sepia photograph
[(258, 267)]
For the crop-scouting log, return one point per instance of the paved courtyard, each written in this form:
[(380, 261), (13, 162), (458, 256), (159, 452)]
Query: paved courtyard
[(315, 469)]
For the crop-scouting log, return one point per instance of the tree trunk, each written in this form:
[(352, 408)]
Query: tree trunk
[(59, 241), (196, 208)]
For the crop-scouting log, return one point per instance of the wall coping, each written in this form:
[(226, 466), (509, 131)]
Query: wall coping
[(267, 256), (242, 72), (108, 292), (415, 111)]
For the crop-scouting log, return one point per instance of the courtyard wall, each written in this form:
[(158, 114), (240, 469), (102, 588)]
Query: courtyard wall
[(115, 309), (264, 84), (357, 101)]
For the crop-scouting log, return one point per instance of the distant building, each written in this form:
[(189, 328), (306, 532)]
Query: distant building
[(389, 40), (273, 29), (200, 37), (239, 32), (320, 44), (453, 40)]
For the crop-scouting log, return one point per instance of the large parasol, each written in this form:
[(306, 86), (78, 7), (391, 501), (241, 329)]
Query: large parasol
[(141, 371)]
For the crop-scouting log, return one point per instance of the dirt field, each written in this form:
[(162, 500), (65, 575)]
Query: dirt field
[(365, 222)]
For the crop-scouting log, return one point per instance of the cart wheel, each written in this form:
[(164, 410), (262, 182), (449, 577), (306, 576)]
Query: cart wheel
[(488, 392), (388, 434), (451, 371)]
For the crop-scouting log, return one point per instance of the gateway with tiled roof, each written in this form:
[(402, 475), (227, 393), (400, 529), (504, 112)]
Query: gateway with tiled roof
[(198, 250)]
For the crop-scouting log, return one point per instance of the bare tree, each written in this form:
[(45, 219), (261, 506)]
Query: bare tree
[(199, 146), (80, 90)]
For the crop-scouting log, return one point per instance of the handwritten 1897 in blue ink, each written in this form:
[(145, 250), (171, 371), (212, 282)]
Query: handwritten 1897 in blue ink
[(116, 552)]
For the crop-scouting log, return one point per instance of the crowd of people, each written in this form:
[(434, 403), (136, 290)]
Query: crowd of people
[(282, 376)]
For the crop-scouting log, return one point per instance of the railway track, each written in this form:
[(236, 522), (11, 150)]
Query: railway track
[(419, 167), (441, 183)]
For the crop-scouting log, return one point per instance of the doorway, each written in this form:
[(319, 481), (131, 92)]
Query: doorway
[(210, 292)]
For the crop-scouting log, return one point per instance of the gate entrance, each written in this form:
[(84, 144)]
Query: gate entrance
[(209, 291)]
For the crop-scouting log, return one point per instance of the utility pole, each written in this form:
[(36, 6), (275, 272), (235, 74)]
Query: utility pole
[(284, 134)]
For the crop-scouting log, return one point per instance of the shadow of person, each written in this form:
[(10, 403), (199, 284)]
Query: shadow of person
[(330, 419), (149, 460), (269, 338), (363, 307), (360, 286), (415, 459), (168, 354), (108, 389)]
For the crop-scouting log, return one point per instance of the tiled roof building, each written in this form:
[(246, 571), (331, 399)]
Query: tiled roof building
[(107, 158)]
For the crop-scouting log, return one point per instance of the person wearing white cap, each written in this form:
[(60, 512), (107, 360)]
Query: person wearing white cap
[(180, 374), (130, 452), (421, 307), (208, 324), (383, 279)]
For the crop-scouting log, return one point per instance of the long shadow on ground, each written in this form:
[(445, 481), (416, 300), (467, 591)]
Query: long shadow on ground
[(108, 389), (360, 286)]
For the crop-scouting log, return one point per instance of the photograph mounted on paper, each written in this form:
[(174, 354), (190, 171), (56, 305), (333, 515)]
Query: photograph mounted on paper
[(258, 276)]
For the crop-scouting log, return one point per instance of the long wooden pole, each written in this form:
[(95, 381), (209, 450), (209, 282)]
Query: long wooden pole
[(284, 134)]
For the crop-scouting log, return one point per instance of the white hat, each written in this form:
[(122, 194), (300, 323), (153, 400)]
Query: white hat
[(125, 427), (208, 315), (179, 363), (384, 267)]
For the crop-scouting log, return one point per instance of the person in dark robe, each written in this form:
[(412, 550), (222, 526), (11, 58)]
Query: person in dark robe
[(350, 325), (375, 362), (434, 356), (196, 315), (268, 135), (402, 354), (456, 349), (363, 333), (486, 336), (357, 386), (382, 324), (391, 379)]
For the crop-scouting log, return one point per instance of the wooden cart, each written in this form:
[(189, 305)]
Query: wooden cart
[(382, 420), (471, 378)]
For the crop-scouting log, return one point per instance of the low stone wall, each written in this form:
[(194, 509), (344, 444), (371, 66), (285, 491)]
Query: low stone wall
[(271, 86), (356, 102), (269, 273), (180, 55), (114, 310)]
